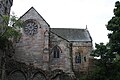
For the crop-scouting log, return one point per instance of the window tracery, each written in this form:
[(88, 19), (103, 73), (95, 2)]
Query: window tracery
[(30, 27), (56, 52), (77, 57)]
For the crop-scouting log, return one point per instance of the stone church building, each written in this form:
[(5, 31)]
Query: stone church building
[(45, 53)]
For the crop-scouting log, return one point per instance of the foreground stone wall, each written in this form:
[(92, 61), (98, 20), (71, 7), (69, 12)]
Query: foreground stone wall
[(5, 7)]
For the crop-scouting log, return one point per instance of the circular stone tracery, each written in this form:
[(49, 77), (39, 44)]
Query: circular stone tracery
[(30, 27)]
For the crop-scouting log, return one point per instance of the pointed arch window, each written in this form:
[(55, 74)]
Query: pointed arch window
[(56, 52), (77, 57)]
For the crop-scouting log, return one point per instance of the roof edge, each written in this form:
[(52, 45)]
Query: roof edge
[(37, 13), (59, 36)]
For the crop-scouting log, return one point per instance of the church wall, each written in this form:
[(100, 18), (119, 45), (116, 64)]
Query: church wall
[(84, 48), (64, 61), (33, 54), (32, 14), (29, 49)]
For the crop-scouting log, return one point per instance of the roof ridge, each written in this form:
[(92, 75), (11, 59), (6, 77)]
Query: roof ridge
[(37, 13), (72, 34), (70, 28)]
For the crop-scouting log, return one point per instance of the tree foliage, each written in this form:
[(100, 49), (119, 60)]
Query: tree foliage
[(8, 31), (114, 26), (108, 66)]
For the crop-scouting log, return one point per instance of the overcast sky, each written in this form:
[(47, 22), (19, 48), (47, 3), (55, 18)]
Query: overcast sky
[(72, 14)]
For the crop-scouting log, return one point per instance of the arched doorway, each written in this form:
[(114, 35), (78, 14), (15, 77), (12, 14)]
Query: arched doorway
[(39, 76), (17, 75)]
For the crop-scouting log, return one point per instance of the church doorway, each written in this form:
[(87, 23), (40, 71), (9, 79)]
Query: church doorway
[(39, 76), (17, 75)]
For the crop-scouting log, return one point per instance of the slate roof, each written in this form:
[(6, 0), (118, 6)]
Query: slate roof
[(72, 34)]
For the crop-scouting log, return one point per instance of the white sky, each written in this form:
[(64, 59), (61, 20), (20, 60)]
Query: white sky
[(72, 14)]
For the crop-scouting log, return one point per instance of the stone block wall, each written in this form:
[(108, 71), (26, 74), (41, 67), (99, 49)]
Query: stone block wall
[(84, 48), (64, 61), (30, 49)]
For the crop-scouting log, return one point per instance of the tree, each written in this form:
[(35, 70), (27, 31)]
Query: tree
[(114, 26), (7, 35), (108, 66), (8, 32)]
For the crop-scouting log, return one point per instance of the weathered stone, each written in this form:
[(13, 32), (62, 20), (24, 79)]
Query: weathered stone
[(50, 53)]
